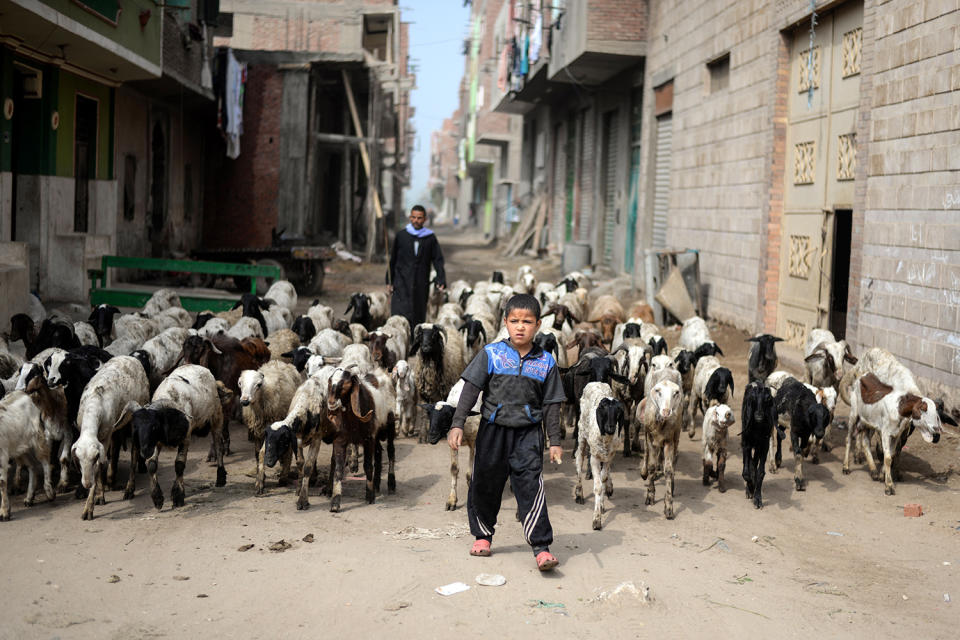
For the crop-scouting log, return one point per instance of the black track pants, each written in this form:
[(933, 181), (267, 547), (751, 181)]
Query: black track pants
[(517, 453)]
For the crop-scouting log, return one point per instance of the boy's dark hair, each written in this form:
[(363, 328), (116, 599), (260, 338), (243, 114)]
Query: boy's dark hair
[(523, 301), (418, 207)]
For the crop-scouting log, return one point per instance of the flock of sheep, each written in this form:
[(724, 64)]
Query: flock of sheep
[(155, 378)]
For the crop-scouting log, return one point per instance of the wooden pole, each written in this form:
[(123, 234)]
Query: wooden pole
[(365, 158)]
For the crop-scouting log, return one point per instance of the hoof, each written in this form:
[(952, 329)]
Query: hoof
[(669, 514), (258, 490), (391, 483), (815, 459), (177, 497), (692, 434), (128, 494), (81, 493), (283, 481), (757, 503), (87, 515), (451, 506), (221, 477), (877, 477), (889, 491), (28, 502), (706, 480), (335, 505), (157, 497), (597, 523), (722, 489), (649, 499), (370, 496), (303, 504), (825, 447), (63, 489), (846, 471), (100, 500), (5, 517), (800, 485), (608, 491), (580, 500), (211, 457)]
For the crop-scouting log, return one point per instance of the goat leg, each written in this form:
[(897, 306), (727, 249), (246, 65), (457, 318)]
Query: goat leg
[(668, 448), (391, 462), (156, 493), (852, 429), (336, 472), (177, 493), (454, 473), (131, 487), (798, 480), (578, 460), (749, 462), (887, 442), (370, 446), (597, 467), (721, 466), (4, 498), (260, 448), (91, 494), (303, 501)]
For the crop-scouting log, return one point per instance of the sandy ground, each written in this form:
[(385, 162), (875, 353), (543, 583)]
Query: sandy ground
[(839, 560)]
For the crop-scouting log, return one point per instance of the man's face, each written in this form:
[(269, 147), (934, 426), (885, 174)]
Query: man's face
[(417, 218)]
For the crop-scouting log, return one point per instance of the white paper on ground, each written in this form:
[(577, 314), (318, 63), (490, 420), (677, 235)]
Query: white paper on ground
[(452, 588)]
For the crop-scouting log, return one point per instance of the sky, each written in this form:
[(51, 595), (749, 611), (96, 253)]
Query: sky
[(437, 31)]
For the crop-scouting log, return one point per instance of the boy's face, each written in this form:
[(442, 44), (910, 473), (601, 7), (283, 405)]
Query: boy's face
[(522, 326)]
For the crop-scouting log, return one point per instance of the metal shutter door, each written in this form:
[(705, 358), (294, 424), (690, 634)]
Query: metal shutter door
[(661, 183), (557, 221), (609, 187)]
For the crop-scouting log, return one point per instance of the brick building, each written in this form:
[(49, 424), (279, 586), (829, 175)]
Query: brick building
[(300, 170), (815, 171)]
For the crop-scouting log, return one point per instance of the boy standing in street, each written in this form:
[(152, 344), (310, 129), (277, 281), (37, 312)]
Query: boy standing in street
[(521, 388)]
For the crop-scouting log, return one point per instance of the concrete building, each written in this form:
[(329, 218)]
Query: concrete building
[(82, 173), (305, 174), (812, 167)]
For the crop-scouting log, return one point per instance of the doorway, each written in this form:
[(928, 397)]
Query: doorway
[(84, 160), (840, 271)]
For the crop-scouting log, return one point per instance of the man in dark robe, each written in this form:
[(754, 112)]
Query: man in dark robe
[(414, 249)]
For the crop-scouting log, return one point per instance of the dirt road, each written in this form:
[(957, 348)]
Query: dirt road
[(839, 560)]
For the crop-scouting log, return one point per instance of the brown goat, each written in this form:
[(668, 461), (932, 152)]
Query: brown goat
[(350, 409), (642, 310), (52, 404)]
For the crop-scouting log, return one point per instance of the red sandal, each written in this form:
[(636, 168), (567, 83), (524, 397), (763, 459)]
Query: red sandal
[(546, 561), (480, 548)]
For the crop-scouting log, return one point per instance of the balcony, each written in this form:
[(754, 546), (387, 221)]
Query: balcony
[(592, 46)]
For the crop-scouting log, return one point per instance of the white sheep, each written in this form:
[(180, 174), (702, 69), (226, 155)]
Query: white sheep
[(162, 352), (439, 360), (712, 384), (277, 317), (631, 363), (406, 390), (694, 333), (22, 438), (281, 342), (358, 358), (265, 396), (329, 342), (661, 415), (114, 392), (160, 300), (173, 317), (399, 328), (526, 281), (85, 333), (188, 400), (214, 327), (284, 294), (321, 315), (601, 425), (716, 423), (246, 327)]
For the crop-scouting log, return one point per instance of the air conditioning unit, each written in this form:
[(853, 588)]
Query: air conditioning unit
[(31, 81)]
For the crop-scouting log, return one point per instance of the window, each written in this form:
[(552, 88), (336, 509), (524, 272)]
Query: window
[(719, 69)]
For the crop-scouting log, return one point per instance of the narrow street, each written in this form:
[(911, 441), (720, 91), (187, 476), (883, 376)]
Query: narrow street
[(837, 560)]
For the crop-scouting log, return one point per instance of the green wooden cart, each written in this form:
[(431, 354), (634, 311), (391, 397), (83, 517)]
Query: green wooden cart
[(126, 295)]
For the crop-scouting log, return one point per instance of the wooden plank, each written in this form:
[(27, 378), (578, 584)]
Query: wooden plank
[(364, 156), (523, 229)]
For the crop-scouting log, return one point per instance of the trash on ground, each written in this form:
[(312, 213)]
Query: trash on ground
[(245, 547), (419, 533), (181, 578), (543, 604), (625, 590), (396, 605), (719, 543), (835, 533), (946, 597), (825, 588), (280, 546), (742, 579), (114, 578), (308, 537), (755, 539), (491, 580), (912, 510), (202, 595), (452, 588)]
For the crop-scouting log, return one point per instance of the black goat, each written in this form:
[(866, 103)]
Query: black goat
[(547, 342), (763, 356), (52, 333), (569, 283), (807, 418), (658, 344), (595, 365), (474, 330), (101, 318), (304, 328), (631, 330), (706, 349), (202, 318), (252, 306), (360, 304), (759, 418)]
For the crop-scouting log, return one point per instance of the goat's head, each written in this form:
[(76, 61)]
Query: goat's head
[(378, 346), (685, 361), (706, 349), (658, 345), (497, 276), (88, 454), (28, 371), (304, 328), (631, 330), (547, 342), (52, 365), (474, 330), (562, 315), (724, 417), (278, 439), (610, 416), (759, 409), (660, 362), (202, 318), (342, 326), (144, 359), (818, 417), (767, 344), (153, 425), (101, 319), (608, 324), (922, 413), (440, 417), (429, 339), (666, 397), (21, 327), (360, 304), (717, 384), (568, 283), (299, 357), (250, 383)]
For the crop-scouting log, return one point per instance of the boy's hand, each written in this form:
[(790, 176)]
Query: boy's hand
[(454, 438), (556, 454)]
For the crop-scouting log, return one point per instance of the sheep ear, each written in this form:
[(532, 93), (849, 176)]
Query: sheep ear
[(288, 354), (238, 304), (816, 355), (331, 360), (126, 415), (717, 347), (753, 339), (776, 339), (946, 418)]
